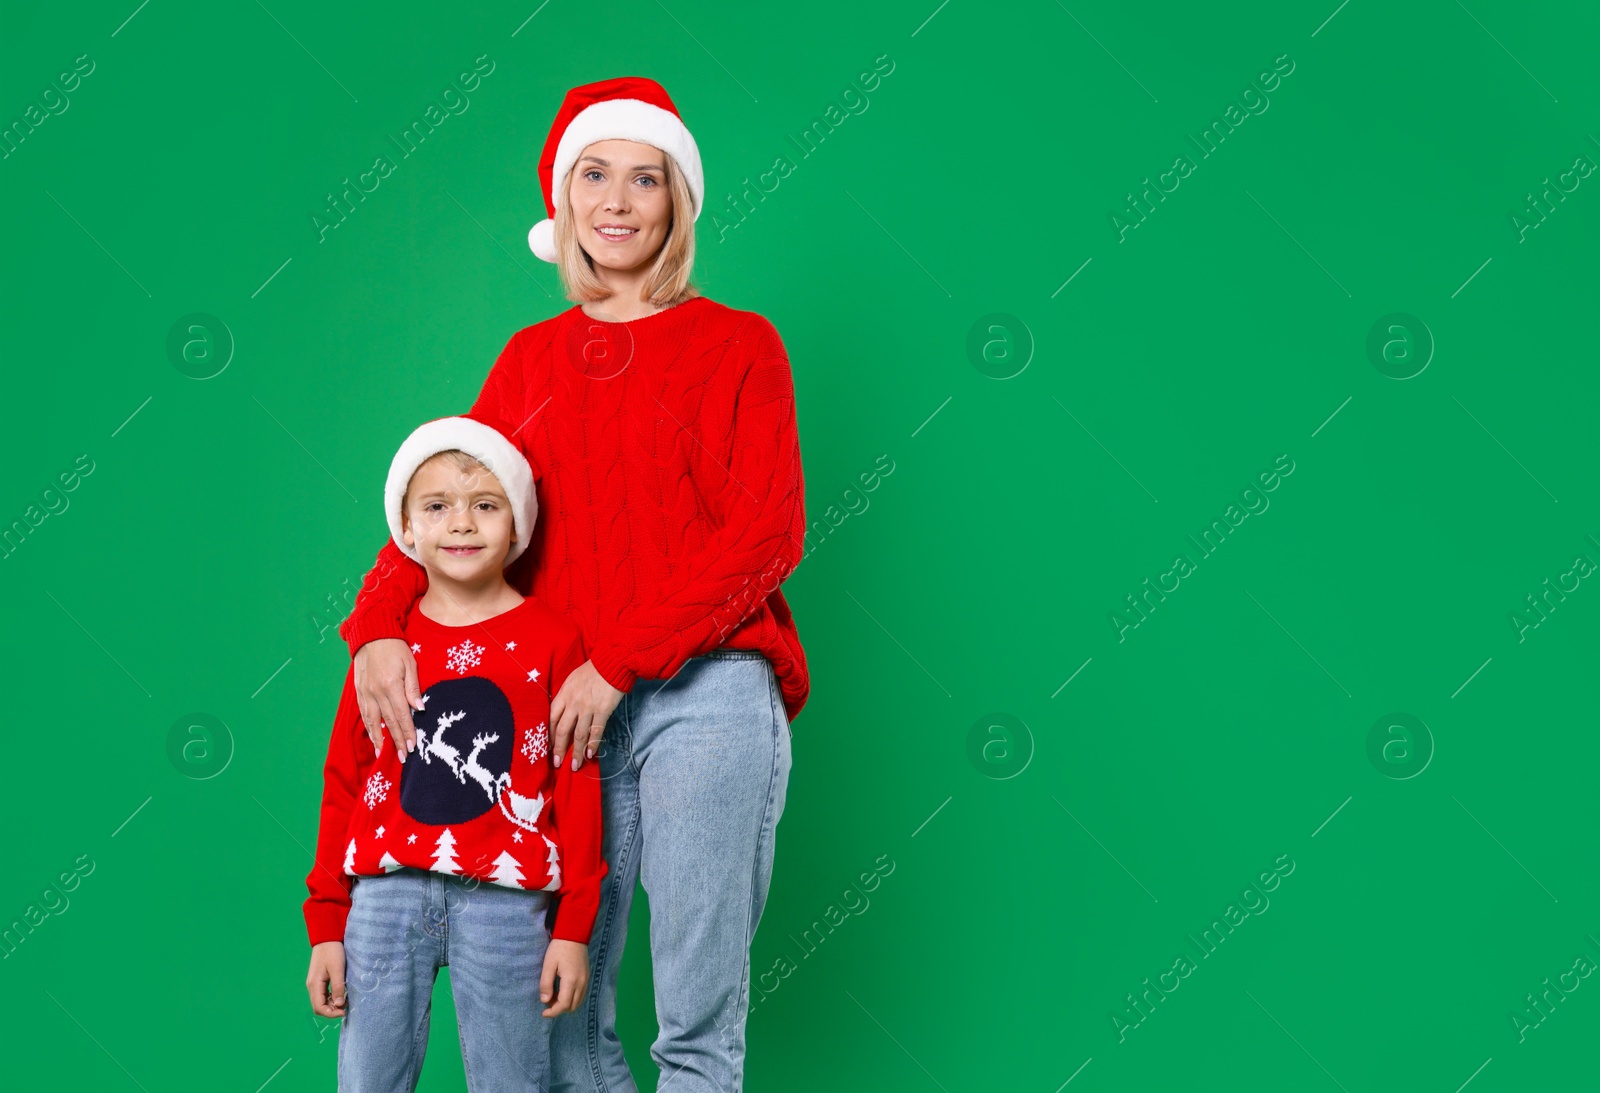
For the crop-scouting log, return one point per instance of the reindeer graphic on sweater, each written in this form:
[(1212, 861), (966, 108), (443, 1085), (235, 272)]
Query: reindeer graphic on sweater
[(434, 746), (447, 788)]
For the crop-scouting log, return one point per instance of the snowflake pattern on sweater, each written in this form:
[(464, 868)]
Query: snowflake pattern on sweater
[(464, 656), (536, 742), (478, 798)]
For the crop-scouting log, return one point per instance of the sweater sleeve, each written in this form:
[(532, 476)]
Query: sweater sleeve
[(579, 824), (396, 581), (328, 905), (760, 536)]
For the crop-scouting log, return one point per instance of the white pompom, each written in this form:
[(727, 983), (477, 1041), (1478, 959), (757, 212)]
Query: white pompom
[(542, 240)]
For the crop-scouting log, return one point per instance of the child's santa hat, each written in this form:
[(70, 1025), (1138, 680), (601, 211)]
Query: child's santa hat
[(626, 108), (484, 438)]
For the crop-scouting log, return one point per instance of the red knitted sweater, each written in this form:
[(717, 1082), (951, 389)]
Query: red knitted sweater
[(671, 501)]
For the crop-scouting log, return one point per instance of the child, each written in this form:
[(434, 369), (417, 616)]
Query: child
[(453, 855)]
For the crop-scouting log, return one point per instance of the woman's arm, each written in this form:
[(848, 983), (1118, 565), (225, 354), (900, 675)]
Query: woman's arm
[(759, 541), (394, 583), (385, 671)]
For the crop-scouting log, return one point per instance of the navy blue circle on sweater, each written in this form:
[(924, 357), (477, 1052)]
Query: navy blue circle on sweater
[(465, 736)]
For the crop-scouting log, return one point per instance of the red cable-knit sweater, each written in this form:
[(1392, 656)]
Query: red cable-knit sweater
[(479, 797), (671, 501)]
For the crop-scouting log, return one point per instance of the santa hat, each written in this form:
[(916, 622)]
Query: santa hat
[(483, 438), (625, 108)]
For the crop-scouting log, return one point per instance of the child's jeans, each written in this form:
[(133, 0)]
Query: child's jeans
[(406, 925)]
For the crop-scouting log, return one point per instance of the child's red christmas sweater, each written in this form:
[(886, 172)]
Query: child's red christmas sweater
[(479, 797)]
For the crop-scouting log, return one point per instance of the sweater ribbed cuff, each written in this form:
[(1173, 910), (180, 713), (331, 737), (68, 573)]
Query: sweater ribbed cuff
[(575, 915), (325, 921), (371, 627), (608, 662)]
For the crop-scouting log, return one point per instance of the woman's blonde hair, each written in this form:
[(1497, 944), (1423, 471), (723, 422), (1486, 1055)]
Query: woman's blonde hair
[(668, 283)]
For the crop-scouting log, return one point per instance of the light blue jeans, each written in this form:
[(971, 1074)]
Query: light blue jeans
[(695, 768), (403, 927)]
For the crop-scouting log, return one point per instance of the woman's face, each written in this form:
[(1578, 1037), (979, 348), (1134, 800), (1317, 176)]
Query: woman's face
[(621, 208)]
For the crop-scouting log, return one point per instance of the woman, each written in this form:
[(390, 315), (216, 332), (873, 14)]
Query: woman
[(661, 428)]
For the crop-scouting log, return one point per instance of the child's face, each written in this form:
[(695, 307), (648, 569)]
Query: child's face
[(458, 520)]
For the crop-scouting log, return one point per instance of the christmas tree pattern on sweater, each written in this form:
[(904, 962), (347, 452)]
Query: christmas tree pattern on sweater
[(462, 768)]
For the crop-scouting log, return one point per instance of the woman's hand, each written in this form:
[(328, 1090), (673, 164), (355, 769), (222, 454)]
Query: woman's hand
[(325, 980), (387, 692), (570, 961), (579, 713)]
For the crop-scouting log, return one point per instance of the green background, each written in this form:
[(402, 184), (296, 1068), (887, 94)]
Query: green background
[(199, 568)]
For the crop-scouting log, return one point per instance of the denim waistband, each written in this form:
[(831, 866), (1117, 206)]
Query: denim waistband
[(725, 653)]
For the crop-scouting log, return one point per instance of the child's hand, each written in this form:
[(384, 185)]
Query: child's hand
[(569, 961), (326, 978)]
